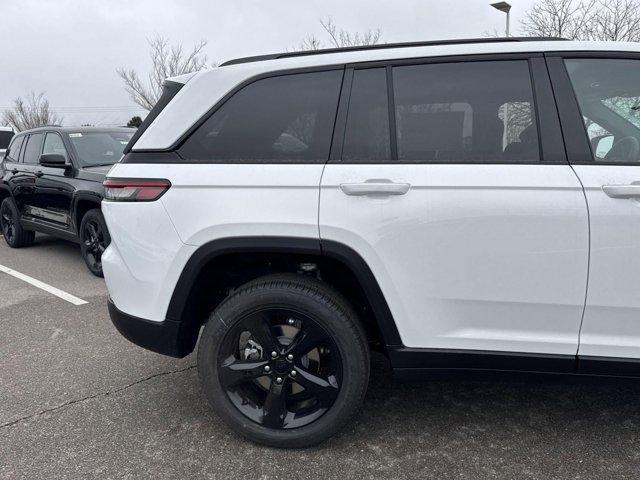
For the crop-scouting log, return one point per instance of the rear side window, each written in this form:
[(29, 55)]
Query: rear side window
[(367, 130), (288, 118), (33, 149), (465, 112), (14, 149)]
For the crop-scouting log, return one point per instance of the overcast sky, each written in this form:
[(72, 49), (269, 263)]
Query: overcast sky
[(70, 49)]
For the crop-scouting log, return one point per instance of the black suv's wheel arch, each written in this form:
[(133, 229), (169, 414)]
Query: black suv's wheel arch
[(182, 304)]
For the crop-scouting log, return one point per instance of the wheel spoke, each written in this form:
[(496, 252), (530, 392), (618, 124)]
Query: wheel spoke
[(275, 406), (306, 340), (322, 389), (234, 372), (260, 328), (92, 230)]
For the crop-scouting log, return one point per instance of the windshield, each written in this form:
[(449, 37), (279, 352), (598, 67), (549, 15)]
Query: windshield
[(5, 138), (100, 148)]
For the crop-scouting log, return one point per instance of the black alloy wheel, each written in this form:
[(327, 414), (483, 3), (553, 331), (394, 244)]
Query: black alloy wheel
[(12, 231), (94, 240), (284, 361), (8, 223), (280, 368)]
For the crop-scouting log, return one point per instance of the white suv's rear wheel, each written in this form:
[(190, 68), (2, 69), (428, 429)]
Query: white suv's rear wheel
[(284, 361)]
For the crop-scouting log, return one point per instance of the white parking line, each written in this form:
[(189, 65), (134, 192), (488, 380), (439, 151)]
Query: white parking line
[(43, 286)]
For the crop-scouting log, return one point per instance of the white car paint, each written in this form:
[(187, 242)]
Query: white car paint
[(483, 257), (480, 257), (611, 324)]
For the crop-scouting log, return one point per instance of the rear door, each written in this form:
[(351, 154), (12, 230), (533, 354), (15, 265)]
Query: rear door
[(24, 180), (54, 186), (453, 186), (603, 128)]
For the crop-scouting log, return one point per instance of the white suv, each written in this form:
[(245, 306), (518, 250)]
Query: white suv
[(457, 205), (6, 134)]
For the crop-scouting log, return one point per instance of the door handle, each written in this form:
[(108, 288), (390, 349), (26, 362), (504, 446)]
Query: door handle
[(622, 191), (39, 173), (375, 187)]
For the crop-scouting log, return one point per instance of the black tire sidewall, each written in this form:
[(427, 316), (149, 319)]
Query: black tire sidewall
[(329, 310), (95, 215), (22, 237)]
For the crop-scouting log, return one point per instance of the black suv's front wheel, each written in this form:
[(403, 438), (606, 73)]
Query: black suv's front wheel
[(284, 361), (12, 231)]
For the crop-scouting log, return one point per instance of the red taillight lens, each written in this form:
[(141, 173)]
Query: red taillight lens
[(135, 189)]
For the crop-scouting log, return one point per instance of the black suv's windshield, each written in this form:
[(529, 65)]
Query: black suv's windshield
[(100, 148), (5, 139)]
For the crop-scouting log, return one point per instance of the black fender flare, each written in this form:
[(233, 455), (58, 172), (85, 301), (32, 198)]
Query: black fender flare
[(295, 245)]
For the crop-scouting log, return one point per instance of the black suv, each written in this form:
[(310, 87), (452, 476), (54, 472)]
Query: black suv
[(51, 182)]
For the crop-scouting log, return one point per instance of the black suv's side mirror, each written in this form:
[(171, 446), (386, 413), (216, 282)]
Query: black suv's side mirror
[(53, 160)]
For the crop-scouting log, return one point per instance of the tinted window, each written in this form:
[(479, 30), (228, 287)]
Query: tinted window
[(53, 145), (33, 148), (465, 112), (608, 91), (287, 118), (100, 148), (367, 129), (5, 138), (14, 149)]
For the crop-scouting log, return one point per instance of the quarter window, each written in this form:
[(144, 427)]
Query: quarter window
[(14, 149), (33, 148), (287, 118), (465, 112)]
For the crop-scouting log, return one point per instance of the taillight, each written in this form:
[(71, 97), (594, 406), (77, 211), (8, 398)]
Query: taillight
[(134, 189)]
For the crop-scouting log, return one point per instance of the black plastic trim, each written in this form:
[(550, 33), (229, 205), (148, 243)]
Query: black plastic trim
[(429, 43), (161, 337), (576, 139), (434, 358), (307, 246), (609, 366)]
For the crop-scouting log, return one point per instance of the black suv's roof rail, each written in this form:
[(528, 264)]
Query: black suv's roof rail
[(273, 56)]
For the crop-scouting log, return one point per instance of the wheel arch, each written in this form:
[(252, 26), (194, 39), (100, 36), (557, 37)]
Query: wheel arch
[(211, 260), (82, 204)]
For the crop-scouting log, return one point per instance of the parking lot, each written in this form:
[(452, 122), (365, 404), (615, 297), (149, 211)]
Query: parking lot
[(78, 401)]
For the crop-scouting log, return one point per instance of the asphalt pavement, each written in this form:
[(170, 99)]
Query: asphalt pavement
[(79, 401)]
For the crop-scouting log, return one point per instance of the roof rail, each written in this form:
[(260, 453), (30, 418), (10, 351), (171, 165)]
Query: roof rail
[(274, 56)]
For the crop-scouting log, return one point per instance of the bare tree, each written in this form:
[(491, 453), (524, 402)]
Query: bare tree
[(614, 20), (30, 112), (339, 37), (167, 61)]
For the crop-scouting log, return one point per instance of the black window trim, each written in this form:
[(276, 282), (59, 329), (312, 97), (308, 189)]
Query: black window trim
[(551, 145), (579, 151), (160, 155), (541, 87)]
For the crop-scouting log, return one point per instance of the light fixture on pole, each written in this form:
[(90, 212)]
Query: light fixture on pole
[(506, 8)]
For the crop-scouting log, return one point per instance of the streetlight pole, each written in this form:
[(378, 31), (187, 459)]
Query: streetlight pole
[(506, 8)]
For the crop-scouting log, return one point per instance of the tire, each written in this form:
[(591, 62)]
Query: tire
[(12, 231), (342, 354), (94, 239)]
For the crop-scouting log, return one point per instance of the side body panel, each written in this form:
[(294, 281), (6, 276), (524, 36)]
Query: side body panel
[(481, 257), (151, 242)]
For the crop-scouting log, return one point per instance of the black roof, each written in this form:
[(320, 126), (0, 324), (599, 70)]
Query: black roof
[(273, 56)]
